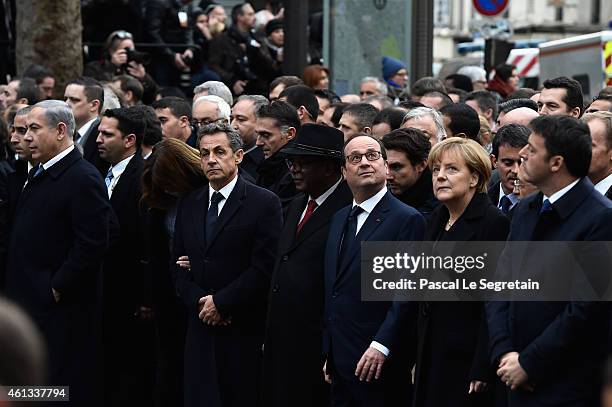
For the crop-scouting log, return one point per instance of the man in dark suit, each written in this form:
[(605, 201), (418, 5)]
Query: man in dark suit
[(85, 96), (360, 336), (550, 353), (600, 171), (244, 119), (292, 352), (127, 357), (508, 141), (229, 230), (59, 235), (409, 178)]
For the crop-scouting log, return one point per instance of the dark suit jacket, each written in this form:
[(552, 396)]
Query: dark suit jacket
[(452, 338), (351, 325), (274, 176), (235, 268), (90, 149), (493, 193), (59, 236), (562, 345), (251, 161), (292, 357), (609, 193)]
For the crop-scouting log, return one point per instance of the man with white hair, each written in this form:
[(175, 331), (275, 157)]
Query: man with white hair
[(214, 88), (476, 74), (59, 235), (372, 86), (210, 109), (428, 121)]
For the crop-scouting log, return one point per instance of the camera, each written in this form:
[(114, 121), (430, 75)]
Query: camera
[(138, 57)]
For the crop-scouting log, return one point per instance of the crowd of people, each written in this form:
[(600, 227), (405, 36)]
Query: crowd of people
[(205, 251)]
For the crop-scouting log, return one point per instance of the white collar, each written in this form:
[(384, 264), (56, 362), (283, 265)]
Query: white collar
[(511, 196), (603, 185), (369, 204), (85, 128), (58, 157), (119, 168), (557, 195), (225, 191), (326, 194), (250, 149)]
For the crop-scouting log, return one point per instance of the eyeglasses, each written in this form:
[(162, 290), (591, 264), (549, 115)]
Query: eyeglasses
[(370, 156), (200, 123), (299, 164)]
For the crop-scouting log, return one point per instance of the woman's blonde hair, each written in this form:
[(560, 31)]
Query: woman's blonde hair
[(474, 155)]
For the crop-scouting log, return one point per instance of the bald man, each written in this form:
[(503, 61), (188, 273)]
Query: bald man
[(520, 115)]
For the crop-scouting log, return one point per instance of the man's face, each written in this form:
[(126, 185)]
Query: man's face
[(325, 118), (365, 174), (219, 162), (349, 126), (46, 87), (599, 105), (380, 129), (205, 113), (8, 97), (551, 103), (244, 120), (426, 125), (535, 167), (401, 78), (247, 18), (368, 89), (323, 104), (474, 105), (275, 93), (601, 159), (508, 163), (435, 102), (269, 136), (82, 109), (18, 131), (480, 84), (307, 173), (112, 146), (277, 37), (218, 13), (172, 126), (402, 173), (43, 141)]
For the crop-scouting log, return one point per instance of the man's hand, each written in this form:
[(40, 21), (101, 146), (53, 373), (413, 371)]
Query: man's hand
[(178, 61), (370, 364), (136, 70), (238, 87), (209, 314), (477, 386), (511, 372), (144, 313), (183, 262), (56, 295), (119, 57), (326, 375)]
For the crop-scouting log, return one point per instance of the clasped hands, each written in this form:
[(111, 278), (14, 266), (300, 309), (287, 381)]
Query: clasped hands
[(369, 366), (511, 372), (209, 314)]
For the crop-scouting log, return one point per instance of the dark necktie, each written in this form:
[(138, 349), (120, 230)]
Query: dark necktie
[(350, 230), (505, 204), (212, 215), (546, 207), (310, 208), (35, 172)]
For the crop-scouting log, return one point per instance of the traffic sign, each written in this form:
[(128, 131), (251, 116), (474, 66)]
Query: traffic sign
[(490, 7)]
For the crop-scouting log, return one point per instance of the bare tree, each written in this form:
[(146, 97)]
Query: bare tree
[(48, 32)]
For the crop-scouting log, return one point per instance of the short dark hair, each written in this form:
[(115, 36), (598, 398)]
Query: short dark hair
[(412, 142), (604, 97), (512, 104), (568, 137), (460, 81), (363, 113), (427, 84), (287, 80), (153, 131), (130, 121), (504, 71), (302, 95), (339, 109), (29, 90), (327, 94), (284, 114), (410, 104), (393, 116), (171, 91), (92, 88), (460, 92), (513, 135), (573, 91), (463, 119), (129, 83), (485, 100), (38, 73), (446, 100), (383, 150), (521, 93), (178, 106), (238, 10)]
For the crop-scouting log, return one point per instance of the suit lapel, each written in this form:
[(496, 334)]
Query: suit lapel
[(232, 204), (198, 215), (293, 218), (125, 178)]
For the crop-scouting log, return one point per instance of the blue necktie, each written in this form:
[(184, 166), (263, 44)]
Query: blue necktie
[(350, 230), (212, 215), (505, 204), (546, 207), (109, 178)]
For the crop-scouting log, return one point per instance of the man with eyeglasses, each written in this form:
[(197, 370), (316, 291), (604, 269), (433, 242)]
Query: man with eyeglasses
[(292, 357), (372, 86), (210, 109), (360, 336)]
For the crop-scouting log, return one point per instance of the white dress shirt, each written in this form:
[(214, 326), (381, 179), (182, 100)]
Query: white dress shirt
[(83, 131), (603, 185), (225, 192), (117, 170), (58, 157), (368, 206), (557, 195), (511, 196), (321, 198)]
